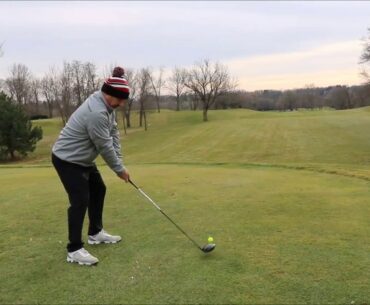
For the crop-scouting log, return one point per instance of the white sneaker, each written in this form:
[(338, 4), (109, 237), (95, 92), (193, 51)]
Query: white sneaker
[(82, 257), (103, 237)]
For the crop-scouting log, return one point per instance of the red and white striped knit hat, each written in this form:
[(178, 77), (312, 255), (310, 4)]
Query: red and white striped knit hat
[(116, 85)]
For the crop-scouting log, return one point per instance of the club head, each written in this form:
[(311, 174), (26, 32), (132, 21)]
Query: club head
[(208, 248)]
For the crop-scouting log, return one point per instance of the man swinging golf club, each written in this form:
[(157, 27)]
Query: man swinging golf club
[(90, 131)]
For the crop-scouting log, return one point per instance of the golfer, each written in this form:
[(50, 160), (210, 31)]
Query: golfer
[(90, 131)]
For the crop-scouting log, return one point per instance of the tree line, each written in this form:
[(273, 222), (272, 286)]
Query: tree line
[(61, 91), (206, 85), (311, 97)]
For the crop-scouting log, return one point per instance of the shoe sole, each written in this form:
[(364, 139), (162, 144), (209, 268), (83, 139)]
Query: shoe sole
[(70, 260), (96, 242)]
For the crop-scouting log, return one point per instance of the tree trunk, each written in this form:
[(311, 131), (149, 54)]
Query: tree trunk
[(141, 112), (128, 121), (349, 102), (128, 115), (37, 104), (12, 155), (145, 125), (205, 116), (62, 113), (158, 108), (50, 109), (177, 103), (124, 119)]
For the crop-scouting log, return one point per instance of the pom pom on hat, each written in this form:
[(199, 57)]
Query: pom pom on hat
[(118, 72), (116, 85)]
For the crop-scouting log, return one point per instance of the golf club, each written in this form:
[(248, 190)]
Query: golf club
[(206, 248)]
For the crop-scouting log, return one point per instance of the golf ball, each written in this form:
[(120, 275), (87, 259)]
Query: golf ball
[(210, 239)]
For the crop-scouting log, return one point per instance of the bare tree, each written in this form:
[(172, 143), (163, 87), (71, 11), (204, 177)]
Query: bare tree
[(208, 81), (71, 87), (18, 83), (84, 80), (50, 89), (176, 84), (307, 97), (365, 75), (339, 98), (65, 92), (144, 88), (76, 69), (193, 100), (287, 101), (365, 58), (157, 84), (35, 94), (131, 76), (92, 79), (361, 95)]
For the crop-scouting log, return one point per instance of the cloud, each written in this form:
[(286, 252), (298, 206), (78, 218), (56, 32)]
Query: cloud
[(257, 40), (301, 79), (331, 64), (70, 13)]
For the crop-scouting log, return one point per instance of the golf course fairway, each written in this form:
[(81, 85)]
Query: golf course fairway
[(285, 195)]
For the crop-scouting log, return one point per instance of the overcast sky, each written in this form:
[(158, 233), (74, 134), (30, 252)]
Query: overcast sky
[(265, 44)]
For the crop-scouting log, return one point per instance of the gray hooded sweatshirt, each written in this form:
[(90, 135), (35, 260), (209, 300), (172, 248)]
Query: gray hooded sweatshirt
[(90, 131)]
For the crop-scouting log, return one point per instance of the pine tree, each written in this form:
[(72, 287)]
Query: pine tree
[(17, 136)]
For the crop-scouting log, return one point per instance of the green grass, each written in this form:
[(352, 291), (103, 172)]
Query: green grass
[(285, 196)]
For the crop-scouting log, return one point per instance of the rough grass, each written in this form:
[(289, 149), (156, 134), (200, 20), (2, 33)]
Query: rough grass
[(285, 196)]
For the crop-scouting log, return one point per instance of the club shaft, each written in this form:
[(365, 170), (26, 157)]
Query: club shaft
[(147, 197), (183, 232), (158, 207)]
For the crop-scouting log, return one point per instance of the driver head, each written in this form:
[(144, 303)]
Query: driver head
[(208, 248)]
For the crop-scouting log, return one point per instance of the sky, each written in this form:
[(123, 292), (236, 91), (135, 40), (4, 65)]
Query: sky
[(265, 44)]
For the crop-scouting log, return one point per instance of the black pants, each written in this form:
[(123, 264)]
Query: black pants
[(86, 191)]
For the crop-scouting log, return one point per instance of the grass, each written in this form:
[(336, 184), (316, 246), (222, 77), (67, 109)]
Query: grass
[(285, 195)]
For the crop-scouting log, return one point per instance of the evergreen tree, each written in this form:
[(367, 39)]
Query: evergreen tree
[(17, 136)]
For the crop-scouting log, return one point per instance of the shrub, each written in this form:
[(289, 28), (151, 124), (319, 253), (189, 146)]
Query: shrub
[(17, 136)]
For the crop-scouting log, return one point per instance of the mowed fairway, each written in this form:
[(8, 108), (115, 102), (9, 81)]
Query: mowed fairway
[(285, 196)]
